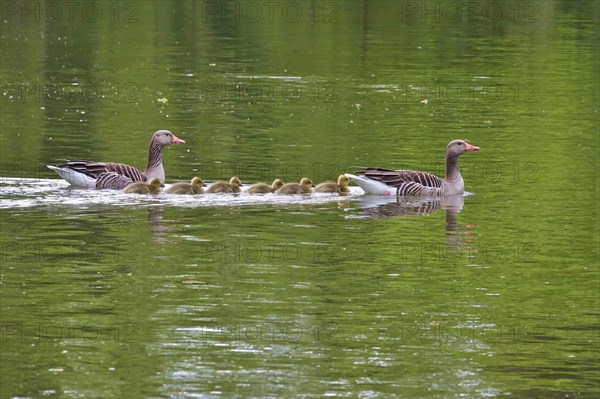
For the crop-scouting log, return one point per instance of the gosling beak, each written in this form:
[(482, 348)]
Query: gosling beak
[(471, 147), (177, 140)]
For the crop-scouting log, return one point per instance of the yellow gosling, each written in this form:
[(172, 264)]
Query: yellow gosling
[(223, 187), (194, 187), (304, 187), (330, 187), (264, 188), (153, 187)]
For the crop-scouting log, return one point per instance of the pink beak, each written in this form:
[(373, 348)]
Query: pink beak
[(471, 147), (177, 140)]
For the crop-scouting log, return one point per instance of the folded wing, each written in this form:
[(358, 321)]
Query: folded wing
[(406, 182)]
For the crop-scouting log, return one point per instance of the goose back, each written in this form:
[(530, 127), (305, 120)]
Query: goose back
[(112, 180), (96, 169)]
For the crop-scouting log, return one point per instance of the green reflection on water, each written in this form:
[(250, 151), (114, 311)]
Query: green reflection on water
[(305, 299)]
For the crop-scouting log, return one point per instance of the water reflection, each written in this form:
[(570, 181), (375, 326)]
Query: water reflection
[(155, 218), (382, 207)]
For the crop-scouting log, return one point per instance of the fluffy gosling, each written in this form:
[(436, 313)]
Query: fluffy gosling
[(140, 187), (223, 187), (194, 187), (341, 187), (264, 188), (304, 187)]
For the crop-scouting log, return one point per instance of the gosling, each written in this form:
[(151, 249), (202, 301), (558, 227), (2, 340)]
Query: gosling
[(195, 187), (341, 187), (264, 188), (140, 187), (304, 187), (223, 187)]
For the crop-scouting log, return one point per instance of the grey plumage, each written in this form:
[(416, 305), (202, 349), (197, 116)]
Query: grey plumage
[(117, 175), (417, 183)]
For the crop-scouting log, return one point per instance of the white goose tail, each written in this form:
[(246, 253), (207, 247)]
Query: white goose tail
[(371, 186), (73, 177)]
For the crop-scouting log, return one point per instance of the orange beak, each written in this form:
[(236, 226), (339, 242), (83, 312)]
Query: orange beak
[(177, 140), (471, 147)]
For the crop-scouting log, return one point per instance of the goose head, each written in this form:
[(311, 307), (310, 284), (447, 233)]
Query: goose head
[(458, 147), (165, 138)]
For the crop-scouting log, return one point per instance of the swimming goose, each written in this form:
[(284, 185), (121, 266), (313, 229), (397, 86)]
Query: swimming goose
[(416, 183), (304, 187), (223, 187), (330, 187), (264, 188), (195, 187), (90, 174), (140, 187)]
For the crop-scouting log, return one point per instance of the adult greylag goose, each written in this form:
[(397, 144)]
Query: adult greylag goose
[(264, 188), (304, 187), (223, 187), (194, 187), (340, 187), (140, 187), (415, 183), (90, 174)]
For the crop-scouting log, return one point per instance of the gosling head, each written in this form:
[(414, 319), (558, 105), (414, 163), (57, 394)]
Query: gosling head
[(154, 186), (343, 181), (277, 184), (197, 182), (235, 182), (306, 184)]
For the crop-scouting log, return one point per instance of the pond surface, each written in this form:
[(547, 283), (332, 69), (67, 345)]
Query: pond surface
[(490, 294)]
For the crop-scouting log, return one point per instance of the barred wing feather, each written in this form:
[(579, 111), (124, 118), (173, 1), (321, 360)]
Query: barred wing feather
[(411, 179), (97, 169), (113, 180)]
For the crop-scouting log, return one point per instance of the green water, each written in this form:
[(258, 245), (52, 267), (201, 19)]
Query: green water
[(490, 295)]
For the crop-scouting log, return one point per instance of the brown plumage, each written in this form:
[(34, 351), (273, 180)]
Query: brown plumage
[(195, 187), (304, 187), (153, 187), (223, 187), (117, 175), (330, 187), (416, 183), (264, 188)]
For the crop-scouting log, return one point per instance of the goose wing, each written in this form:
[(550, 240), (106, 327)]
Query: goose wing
[(97, 169), (113, 180), (397, 178)]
